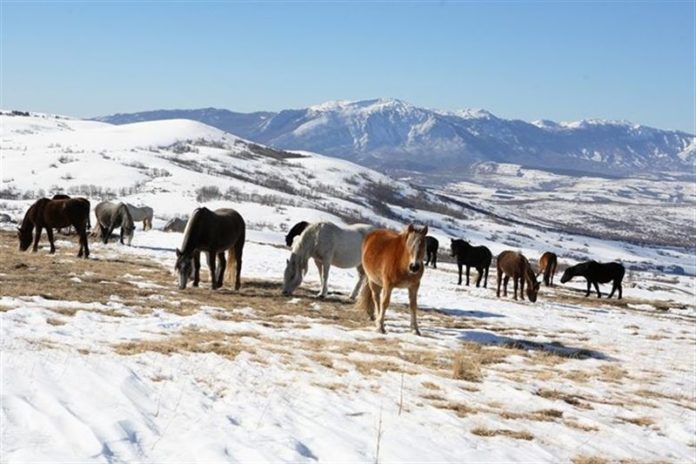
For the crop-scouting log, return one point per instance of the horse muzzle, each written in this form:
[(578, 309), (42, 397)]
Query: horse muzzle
[(414, 268)]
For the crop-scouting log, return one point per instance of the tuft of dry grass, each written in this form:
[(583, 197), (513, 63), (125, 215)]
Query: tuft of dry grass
[(573, 400), (639, 421), (54, 321), (192, 341), (542, 415), (430, 385), (612, 373), (577, 425), (584, 459), (516, 434), (466, 368)]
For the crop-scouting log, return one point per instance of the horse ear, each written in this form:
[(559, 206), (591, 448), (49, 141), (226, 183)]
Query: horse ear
[(178, 252), (410, 228), (424, 232)]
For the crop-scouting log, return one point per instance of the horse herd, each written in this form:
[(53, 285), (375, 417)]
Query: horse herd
[(385, 259)]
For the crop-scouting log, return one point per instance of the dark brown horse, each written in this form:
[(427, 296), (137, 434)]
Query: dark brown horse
[(49, 214), (597, 273), (296, 230), (431, 246), (213, 232), (479, 257), (515, 265), (547, 266)]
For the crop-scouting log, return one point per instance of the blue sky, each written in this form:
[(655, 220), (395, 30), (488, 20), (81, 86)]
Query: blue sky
[(526, 60)]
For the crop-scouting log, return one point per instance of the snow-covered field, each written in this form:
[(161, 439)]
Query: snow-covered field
[(105, 360)]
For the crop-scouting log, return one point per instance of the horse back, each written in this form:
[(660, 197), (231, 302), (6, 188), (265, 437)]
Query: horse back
[(385, 258), (512, 263), (607, 272), (215, 231)]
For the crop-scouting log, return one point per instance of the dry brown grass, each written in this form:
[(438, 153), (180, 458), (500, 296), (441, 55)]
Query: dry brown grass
[(584, 459), (430, 385), (573, 400), (577, 425), (639, 421), (613, 373), (54, 321), (516, 434), (543, 415), (466, 367), (192, 341)]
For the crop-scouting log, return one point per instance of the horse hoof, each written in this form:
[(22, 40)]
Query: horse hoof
[(416, 332), (380, 330)]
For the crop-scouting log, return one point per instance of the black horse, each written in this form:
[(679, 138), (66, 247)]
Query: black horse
[(431, 246), (49, 214), (479, 257), (597, 273), (296, 230)]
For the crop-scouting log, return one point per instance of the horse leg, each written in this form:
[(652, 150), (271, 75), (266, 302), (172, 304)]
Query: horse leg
[(522, 288), (49, 232), (84, 246), (480, 276), (596, 286), (514, 284), (37, 236), (384, 304), (376, 295), (196, 268), (211, 266), (238, 249), (485, 280), (221, 268), (620, 287), (589, 286), (499, 279), (460, 274), (413, 306), (468, 268), (361, 278), (506, 279), (325, 279)]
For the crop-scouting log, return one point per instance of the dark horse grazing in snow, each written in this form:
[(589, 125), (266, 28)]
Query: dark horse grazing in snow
[(431, 246), (597, 273), (213, 232), (296, 230), (112, 215), (515, 265), (547, 266), (51, 214), (479, 257)]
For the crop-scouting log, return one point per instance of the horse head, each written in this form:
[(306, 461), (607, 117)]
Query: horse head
[(184, 267), (533, 290), (295, 270), (415, 246), (567, 275), (24, 236)]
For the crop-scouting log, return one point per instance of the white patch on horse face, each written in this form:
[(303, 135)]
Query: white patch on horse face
[(292, 277), (415, 244), (185, 269)]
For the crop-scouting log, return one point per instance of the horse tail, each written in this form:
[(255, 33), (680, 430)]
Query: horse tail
[(234, 256), (547, 274), (365, 301), (231, 265)]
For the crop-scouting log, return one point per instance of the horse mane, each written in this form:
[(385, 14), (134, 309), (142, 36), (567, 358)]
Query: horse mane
[(189, 228), (28, 221), (123, 210), (306, 243)]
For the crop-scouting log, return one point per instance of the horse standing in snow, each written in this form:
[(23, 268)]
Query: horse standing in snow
[(392, 260), (597, 273), (547, 266), (296, 230), (112, 215), (141, 213), (431, 246), (479, 257), (49, 214), (515, 265), (329, 245), (213, 232)]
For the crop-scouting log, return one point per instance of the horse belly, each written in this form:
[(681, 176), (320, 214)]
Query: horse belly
[(346, 258)]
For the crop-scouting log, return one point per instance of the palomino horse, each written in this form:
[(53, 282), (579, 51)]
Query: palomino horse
[(296, 230), (212, 232), (431, 246), (51, 214), (112, 215), (515, 265), (141, 213), (392, 260), (479, 257), (597, 273), (547, 266), (329, 245)]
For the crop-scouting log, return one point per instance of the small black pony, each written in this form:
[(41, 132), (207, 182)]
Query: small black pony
[(479, 257), (296, 230), (431, 246), (49, 214), (212, 232), (597, 273)]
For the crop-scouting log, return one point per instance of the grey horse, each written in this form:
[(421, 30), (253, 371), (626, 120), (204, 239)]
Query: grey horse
[(112, 215)]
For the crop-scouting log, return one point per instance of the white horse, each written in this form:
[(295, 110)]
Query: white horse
[(141, 213), (329, 245)]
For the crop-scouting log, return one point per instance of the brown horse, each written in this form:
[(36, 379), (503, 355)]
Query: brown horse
[(392, 260), (515, 265), (547, 266), (48, 214)]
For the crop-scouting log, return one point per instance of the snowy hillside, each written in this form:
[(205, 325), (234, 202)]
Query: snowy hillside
[(105, 360), (393, 135)]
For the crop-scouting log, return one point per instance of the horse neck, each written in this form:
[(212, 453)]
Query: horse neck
[(191, 231), (126, 218), (528, 273), (28, 222), (401, 251), (305, 245)]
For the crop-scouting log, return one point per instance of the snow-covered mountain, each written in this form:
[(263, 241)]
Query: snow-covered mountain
[(391, 135)]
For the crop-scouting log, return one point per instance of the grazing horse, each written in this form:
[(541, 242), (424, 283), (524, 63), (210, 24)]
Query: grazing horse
[(141, 213), (329, 245), (62, 196), (597, 273), (431, 246), (515, 265), (176, 225), (547, 266), (479, 257), (112, 215), (212, 232), (45, 213), (296, 230), (392, 260)]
